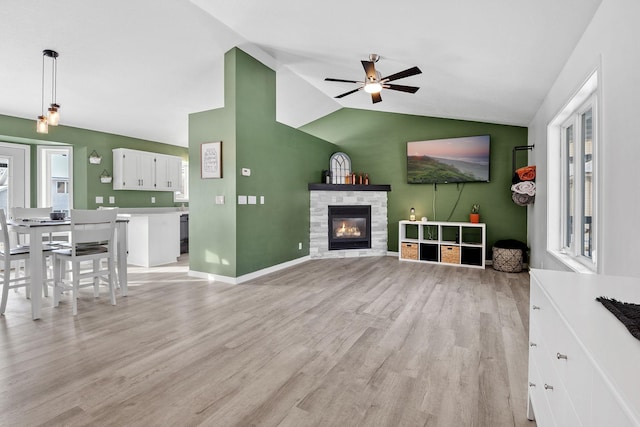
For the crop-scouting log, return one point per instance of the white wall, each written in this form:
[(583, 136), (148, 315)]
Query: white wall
[(612, 43)]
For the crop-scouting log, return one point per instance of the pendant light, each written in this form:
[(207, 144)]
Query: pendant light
[(54, 114), (53, 118)]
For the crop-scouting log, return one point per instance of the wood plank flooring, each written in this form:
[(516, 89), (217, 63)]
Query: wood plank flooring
[(346, 342)]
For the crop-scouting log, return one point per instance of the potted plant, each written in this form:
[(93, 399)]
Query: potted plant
[(474, 216)]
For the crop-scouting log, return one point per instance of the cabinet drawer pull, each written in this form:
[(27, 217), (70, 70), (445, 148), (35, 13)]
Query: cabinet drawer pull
[(535, 307), (532, 384), (548, 387), (561, 356), (533, 344)]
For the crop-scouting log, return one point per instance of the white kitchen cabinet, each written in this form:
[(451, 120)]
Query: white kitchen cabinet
[(582, 360), (168, 173), (142, 170)]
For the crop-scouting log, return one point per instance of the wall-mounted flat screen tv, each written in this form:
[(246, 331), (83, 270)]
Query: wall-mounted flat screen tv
[(442, 161)]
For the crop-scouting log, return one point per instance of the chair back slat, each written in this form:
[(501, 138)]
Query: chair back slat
[(88, 226), (27, 213)]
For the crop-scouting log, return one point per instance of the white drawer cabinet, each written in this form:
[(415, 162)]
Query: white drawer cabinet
[(583, 363)]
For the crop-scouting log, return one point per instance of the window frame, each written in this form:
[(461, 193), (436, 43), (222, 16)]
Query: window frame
[(576, 246), (45, 189), (183, 194), (559, 213)]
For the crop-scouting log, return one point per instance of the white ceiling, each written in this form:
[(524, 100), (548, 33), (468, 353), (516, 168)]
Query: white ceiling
[(138, 68)]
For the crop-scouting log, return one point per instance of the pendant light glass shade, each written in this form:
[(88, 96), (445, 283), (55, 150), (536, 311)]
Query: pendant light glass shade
[(42, 126), (54, 115)]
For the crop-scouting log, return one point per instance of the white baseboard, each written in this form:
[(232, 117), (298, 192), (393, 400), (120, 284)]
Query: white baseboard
[(246, 277)]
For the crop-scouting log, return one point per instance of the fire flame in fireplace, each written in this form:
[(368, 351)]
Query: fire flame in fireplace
[(345, 231)]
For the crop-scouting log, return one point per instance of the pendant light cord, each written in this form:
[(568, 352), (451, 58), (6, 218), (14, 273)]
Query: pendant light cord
[(54, 84), (42, 88)]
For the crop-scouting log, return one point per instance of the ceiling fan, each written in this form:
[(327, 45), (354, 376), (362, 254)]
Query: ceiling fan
[(374, 83)]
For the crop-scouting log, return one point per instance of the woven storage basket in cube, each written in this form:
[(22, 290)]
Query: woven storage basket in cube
[(409, 251), (507, 260), (450, 254)]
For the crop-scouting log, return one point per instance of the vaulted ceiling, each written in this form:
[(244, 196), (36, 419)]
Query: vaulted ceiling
[(138, 68)]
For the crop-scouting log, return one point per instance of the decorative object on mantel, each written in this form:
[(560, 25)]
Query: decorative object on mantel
[(43, 122), (95, 158), (105, 177), (523, 190), (340, 168), (474, 216), (628, 313)]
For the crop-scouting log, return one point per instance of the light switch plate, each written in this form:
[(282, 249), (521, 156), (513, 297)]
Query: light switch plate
[(99, 199), (242, 200), (252, 200), (219, 200), (262, 200)]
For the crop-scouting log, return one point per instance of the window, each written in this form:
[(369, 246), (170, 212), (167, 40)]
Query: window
[(55, 178), (182, 195), (572, 180)]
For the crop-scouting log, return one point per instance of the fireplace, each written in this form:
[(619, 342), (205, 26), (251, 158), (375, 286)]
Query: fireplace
[(349, 227)]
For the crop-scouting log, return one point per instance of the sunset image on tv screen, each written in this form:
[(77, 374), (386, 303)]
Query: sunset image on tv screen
[(448, 160)]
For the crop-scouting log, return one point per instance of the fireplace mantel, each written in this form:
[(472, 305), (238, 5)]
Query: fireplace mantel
[(349, 187)]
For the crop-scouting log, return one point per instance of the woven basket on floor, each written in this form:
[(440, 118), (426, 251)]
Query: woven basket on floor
[(508, 260)]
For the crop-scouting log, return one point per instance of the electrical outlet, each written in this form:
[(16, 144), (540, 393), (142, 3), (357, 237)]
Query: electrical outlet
[(112, 199), (300, 246), (99, 199), (262, 200), (153, 200)]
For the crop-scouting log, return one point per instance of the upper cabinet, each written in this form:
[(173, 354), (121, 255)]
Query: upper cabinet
[(168, 173), (142, 170)]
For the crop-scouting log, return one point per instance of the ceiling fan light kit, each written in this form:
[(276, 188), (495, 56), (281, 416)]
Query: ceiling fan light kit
[(374, 83)]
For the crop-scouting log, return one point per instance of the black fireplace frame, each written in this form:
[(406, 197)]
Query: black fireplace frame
[(349, 212)]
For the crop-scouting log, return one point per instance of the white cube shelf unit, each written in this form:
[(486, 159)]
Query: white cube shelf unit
[(455, 243)]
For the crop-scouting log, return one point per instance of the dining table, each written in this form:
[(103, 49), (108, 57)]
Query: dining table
[(37, 228)]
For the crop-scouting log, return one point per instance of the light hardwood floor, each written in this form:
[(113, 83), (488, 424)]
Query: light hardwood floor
[(346, 342)]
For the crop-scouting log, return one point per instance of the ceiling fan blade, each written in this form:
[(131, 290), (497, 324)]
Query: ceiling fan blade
[(369, 69), (328, 79), (401, 88), (402, 74), (376, 97), (347, 93)]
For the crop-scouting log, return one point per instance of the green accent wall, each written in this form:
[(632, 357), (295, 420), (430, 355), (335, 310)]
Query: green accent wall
[(376, 143), (86, 177), (233, 240)]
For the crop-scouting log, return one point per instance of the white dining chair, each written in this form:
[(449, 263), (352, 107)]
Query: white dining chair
[(92, 239), (8, 257)]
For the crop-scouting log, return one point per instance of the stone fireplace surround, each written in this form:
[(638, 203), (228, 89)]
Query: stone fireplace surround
[(323, 195)]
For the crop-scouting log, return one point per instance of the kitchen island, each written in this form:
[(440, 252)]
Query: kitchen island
[(154, 235)]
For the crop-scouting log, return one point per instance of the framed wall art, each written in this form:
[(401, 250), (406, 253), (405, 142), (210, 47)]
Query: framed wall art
[(211, 160)]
